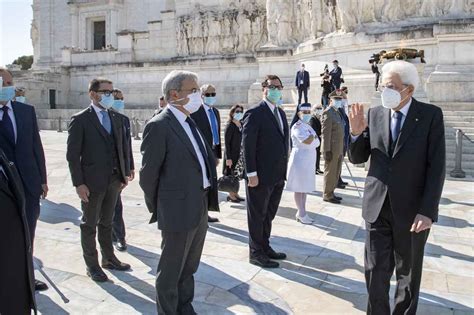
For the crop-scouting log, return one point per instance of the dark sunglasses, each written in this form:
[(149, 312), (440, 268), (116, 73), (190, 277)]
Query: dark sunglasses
[(209, 94)]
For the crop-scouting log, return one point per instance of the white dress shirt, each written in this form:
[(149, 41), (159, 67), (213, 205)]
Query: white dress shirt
[(12, 116), (272, 108), (207, 108), (181, 117)]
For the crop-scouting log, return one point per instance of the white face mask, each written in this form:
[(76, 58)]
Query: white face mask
[(194, 103), (391, 98)]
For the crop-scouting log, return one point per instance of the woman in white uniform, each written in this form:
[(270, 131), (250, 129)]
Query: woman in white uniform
[(301, 166)]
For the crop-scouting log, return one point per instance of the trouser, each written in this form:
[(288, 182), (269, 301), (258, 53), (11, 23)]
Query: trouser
[(325, 100), (302, 91), (332, 171), (32, 209), (389, 246), (179, 261), (15, 292), (318, 158), (262, 206), (97, 217), (118, 225)]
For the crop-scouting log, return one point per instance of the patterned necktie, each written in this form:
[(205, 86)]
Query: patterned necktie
[(7, 125), (276, 114), (396, 129), (193, 127), (106, 123), (214, 128)]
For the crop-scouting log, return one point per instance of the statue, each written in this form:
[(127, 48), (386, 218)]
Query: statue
[(347, 10)]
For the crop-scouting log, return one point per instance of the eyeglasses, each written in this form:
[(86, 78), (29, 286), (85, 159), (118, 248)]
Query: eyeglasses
[(105, 92), (277, 87), (209, 94), (238, 111)]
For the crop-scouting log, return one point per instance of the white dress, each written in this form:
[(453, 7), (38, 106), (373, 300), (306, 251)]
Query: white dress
[(302, 163)]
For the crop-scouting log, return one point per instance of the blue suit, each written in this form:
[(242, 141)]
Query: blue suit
[(28, 155)]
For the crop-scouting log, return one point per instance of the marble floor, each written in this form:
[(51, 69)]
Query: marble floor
[(322, 275)]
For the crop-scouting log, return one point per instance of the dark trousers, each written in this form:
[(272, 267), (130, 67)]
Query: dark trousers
[(325, 100), (318, 158), (179, 261), (301, 91), (32, 209), (390, 247), (14, 283), (97, 217), (262, 206), (118, 225)]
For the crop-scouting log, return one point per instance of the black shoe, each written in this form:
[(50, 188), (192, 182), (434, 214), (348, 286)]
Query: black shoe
[(264, 262), (319, 172), (97, 274), (40, 286), (274, 255), (344, 183), (212, 220), (341, 186), (241, 199), (115, 264), (337, 197), (233, 200), (332, 200), (121, 245)]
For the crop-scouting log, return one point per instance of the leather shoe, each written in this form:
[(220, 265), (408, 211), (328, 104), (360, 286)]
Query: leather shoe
[(332, 200), (341, 186), (319, 172), (264, 262), (337, 197), (233, 200), (344, 183), (274, 255), (121, 245), (115, 264), (97, 274), (241, 199), (40, 286), (212, 220)]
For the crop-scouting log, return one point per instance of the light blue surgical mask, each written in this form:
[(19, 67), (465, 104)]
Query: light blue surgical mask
[(306, 118), (119, 105), (338, 103), (20, 99), (209, 100), (7, 93), (238, 116), (280, 102), (107, 101), (274, 95)]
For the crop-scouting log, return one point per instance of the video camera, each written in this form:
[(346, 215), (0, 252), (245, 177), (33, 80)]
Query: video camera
[(326, 71)]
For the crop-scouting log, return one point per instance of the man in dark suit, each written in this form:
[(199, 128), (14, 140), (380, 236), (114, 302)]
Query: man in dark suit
[(208, 120), (302, 84), (97, 156), (21, 143), (17, 281), (405, 142), (179, 180), (265, 138), (336, 75), (315, 123), (118, 224)]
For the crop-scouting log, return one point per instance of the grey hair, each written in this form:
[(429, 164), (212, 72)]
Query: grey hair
[(407, 72), (174, 81), (204, 87)]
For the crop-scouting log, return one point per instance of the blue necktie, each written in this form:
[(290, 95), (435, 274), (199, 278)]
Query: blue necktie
[(7, 125), (192, 126), (215, 130), (106, 121), (396, 131)]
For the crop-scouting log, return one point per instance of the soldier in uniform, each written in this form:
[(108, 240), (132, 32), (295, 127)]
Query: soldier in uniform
[(332, 145)]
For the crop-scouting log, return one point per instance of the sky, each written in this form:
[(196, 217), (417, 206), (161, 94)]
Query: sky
[(15, 23)]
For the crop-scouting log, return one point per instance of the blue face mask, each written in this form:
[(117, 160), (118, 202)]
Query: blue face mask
[(306, 118), (274, 96), (338, 103), (7, 93), (20, 99), (209, 100), (238, 116), (119, 105), (107, 101)]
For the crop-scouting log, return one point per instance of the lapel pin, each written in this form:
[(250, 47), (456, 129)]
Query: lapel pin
[(416, 119)]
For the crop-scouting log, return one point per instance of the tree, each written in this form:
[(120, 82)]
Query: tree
[(24, 61)]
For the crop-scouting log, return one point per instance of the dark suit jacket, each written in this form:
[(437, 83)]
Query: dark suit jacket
[(233, 143), (336, 76), (302, 76), (200, 117), (90, 162), (347, 128), (413, 178), (315, 123), (27, 153), (265, 146), (171, 176), (14, 196), (127, 144)]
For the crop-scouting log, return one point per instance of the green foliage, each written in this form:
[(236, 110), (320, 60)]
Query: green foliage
[(24, 61)]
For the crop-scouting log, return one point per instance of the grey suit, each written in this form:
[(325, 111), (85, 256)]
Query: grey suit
[(171, 178)]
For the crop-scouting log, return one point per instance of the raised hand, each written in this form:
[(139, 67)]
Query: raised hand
[(357, 119)]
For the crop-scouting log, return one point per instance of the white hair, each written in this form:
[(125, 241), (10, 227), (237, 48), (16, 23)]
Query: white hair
[(174, 81), (204, 87), (407, 72)]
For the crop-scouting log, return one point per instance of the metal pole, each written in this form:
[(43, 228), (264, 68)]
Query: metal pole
[(457, 172), (39, 267), (60, 129)]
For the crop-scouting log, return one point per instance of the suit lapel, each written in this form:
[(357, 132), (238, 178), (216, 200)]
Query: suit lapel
[(270, 116), (408, 126), (385, 121), (4, 163), (95, 121), (178, 129)]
